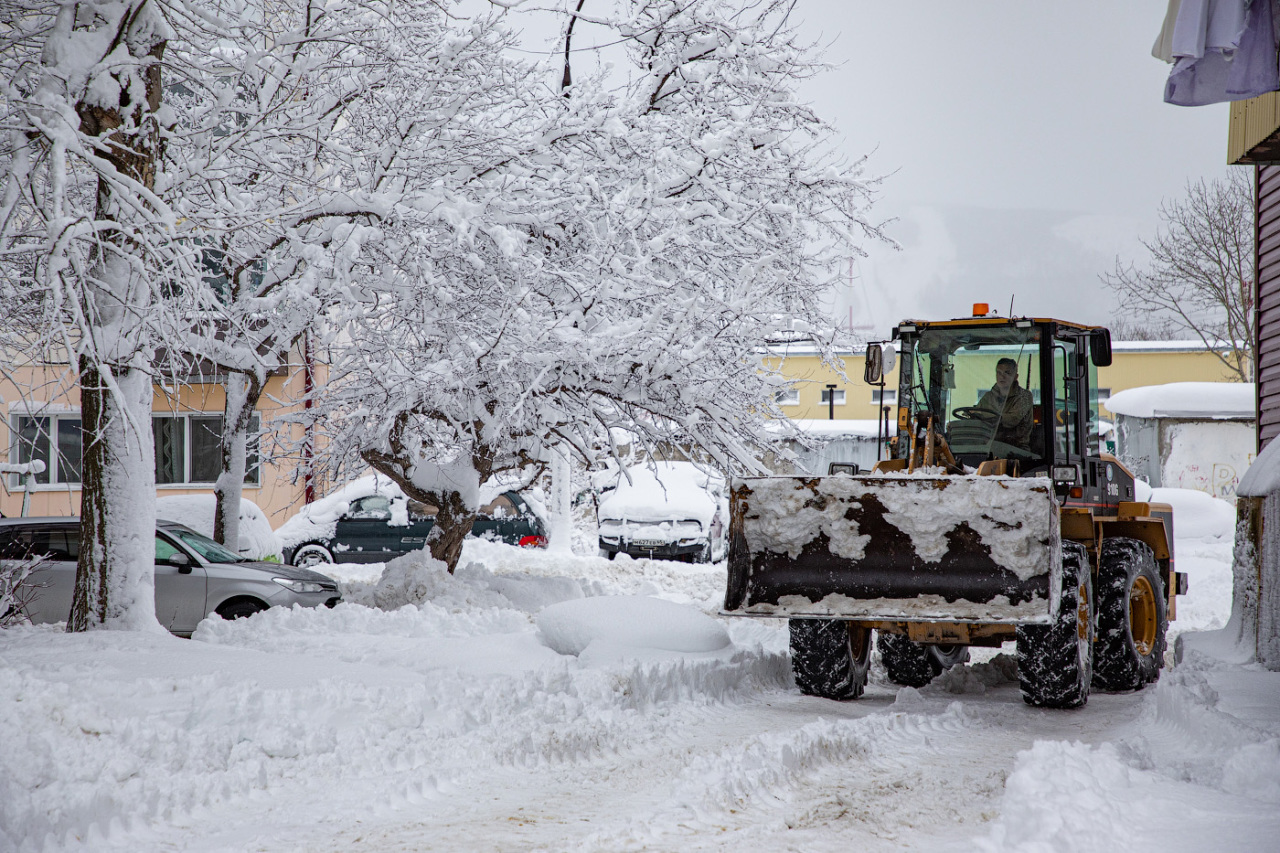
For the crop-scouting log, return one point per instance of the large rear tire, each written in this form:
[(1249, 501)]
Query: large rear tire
[(1133, 617), (830, 657), (1055, 661)]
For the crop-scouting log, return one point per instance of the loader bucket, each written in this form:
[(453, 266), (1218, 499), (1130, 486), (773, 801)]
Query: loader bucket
[(908, 548)]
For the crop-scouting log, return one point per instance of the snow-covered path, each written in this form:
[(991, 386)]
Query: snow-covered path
[(451, 725)]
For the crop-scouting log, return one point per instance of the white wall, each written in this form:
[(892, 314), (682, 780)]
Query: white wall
[(1209, 456)]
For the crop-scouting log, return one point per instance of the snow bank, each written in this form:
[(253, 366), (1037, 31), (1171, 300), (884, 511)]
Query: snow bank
[(1214, 400), (629, 621), (257, 540), (1197, 515)]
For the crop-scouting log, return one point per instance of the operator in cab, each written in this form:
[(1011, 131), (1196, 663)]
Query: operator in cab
[(1012, 406)]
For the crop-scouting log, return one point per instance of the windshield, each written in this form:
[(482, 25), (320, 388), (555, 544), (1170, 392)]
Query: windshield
[(982, 385), (204, 546)]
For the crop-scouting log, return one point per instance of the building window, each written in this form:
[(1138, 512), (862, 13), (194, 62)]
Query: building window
[(51, 439), (188, 451), (789, 397), (826, 397), (1104, 394), (887, 397)]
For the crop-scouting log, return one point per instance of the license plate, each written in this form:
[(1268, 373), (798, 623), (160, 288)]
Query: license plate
[(648, 543)]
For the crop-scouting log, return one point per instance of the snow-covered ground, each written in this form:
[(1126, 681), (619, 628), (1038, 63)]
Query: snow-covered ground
[(532, 702)]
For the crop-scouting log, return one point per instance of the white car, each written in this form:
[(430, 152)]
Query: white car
[(663, 510)]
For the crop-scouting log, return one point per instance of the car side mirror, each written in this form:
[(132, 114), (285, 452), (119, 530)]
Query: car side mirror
[(873, 369), (181, 561), (1100, 347)]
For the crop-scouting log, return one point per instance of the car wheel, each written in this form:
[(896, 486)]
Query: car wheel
[(240, 609), (311, 555)]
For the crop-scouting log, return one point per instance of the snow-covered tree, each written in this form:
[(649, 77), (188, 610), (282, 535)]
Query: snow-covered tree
[(613, 259), (257, 124), (88, 247)]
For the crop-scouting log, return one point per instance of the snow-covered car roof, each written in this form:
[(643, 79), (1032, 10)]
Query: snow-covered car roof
[(660, 490)]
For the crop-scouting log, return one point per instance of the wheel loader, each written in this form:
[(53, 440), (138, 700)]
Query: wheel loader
[(996, 518)]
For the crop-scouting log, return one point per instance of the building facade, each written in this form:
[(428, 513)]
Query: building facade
[(40, 420)]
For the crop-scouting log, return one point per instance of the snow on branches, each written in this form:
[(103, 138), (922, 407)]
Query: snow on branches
[(610, 259)]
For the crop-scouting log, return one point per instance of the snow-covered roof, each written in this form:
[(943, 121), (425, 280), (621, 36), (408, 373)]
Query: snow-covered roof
[(838, 428), (1213, 400), (1168, 346)]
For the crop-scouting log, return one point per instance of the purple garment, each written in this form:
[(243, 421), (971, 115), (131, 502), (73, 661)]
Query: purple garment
[(1230, 75)]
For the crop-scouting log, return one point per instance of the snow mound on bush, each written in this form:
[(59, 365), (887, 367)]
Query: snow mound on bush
[(417, 577), (629, 621), (257, 540), (1197, 515)]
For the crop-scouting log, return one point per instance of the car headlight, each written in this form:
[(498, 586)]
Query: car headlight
[(299, 586)]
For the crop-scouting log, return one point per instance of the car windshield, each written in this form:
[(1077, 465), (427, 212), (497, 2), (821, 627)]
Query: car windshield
[(204, 546), (982, 384)]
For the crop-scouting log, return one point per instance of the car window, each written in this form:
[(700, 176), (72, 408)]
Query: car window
[(500, 507), (165, 550), (374, 507), (417, 509), (58, 543), (204, 546)]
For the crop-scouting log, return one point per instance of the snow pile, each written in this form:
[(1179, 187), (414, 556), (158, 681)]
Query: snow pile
[(257, 540), (1052, 789), (619, 623), (977, 678), (1197, 515), (1212, 400)]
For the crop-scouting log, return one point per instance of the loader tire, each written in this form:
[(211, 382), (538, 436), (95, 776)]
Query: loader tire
[(1055, 661), (830, 657), (1133, 617), (914, 664)]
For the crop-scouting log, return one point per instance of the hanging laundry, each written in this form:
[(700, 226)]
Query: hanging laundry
[(1223, 50)]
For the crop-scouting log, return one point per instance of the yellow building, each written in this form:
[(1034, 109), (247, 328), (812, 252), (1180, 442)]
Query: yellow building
[(40, 419), (1134, 364)]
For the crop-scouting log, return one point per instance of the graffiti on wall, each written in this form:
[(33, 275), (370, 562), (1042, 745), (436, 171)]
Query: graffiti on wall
[(1209, 457)]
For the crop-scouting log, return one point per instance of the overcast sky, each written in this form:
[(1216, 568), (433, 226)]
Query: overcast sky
[(1025, 143)]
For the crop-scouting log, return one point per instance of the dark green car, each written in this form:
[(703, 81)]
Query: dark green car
[(368, 533)]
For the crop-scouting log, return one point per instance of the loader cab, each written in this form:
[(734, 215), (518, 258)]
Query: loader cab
[(1018, 389)]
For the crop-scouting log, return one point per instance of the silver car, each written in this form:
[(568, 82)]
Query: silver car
[(195, 576)]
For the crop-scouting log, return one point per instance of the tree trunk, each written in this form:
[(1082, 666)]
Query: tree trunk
[(243, 391), (453, 523), (115, 573)]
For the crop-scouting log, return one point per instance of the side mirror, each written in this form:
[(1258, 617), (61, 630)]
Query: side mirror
[(873, 370), (1100, 347), (181, 561)]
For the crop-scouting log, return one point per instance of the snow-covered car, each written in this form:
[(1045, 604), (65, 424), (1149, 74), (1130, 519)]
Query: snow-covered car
[(663, 510), (257, 540), (370, 520), (194, 576)]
